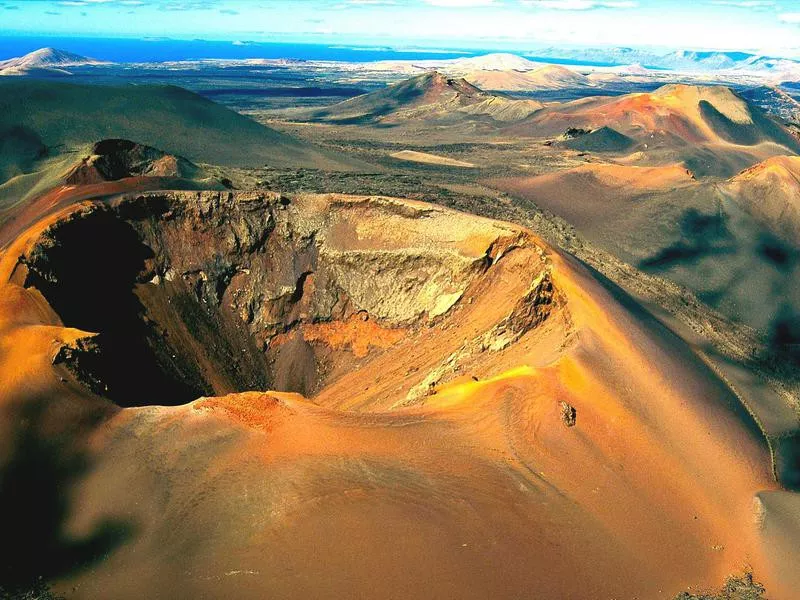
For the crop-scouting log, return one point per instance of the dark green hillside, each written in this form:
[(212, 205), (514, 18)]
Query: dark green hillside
[(65, 115)]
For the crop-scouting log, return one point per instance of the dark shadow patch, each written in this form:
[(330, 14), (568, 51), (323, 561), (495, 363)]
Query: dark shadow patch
[(735, 133), (296, 367), (702, 235), (787, 453), (20, 148), (35, 487), (784, 337), (776, 252), (763, 128), (88, 278)]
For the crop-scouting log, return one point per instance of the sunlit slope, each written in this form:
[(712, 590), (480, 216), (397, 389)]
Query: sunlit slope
[(483, 416), (596, 194)]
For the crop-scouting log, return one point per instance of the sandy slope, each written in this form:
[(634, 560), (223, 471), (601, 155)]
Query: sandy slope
[(597, 192), (437, 463), (431, 159), (771, 191)]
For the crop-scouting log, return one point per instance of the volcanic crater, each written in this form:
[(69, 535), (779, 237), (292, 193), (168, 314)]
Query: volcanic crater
[(453, 374), (211, 293)]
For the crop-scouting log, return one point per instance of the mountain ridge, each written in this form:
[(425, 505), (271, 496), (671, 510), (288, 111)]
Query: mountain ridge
[(429, 96), (47, 60)]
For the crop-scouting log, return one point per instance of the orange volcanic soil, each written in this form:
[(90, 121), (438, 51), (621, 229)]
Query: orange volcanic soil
[(430, 456)]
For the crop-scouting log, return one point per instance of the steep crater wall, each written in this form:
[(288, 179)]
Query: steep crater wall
[(195, 293)]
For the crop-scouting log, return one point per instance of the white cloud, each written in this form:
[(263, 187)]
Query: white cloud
[(745, 3), (793, 17), (460, 3), (580, 4), (95, 2)]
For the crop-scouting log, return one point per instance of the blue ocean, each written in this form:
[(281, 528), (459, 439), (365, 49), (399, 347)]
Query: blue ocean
[(156, 50), (124, 50)]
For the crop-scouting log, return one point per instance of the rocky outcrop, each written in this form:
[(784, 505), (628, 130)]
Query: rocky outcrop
[(568, 414), (115, 159), (80, 358), (529, 312)]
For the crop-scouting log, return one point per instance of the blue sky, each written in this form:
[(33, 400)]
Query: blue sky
[(768, 26)]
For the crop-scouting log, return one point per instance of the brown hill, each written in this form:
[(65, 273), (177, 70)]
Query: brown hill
[(481, 416), (711, 130), (431, 96)]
